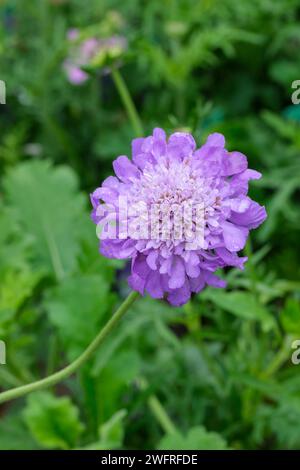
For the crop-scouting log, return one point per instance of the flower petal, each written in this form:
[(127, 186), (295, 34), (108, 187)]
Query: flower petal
[(239, 182), (215, 140), (140, 267), (124, 169), (136, 146), (198, 283), (179, 297), (137, 283), (234, 236), (251, 218), (152, 258), (213, 280), (233, 163), (181, 144), (238, 204), (153, 285), (119, 249), (231, 259), (177, 274)]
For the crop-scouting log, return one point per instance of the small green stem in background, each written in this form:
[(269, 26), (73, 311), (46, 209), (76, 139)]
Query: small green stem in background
[(280, 358), (161, 415), (158, 410), (128, 103), (75, 365)]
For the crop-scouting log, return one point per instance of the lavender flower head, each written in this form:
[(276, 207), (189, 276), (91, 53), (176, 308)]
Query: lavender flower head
[(87, 52), (178, 212)]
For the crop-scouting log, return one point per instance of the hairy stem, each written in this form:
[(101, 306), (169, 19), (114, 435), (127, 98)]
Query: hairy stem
[(75, 365)]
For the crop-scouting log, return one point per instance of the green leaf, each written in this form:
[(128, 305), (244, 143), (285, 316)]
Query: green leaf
[(241, 304), (46, 202), (14, 247), (111, 433), (197, 438), (76, 308), (281, 421), (115, 379), (10, 297), (14, 434), (112, 430), (54, 422)]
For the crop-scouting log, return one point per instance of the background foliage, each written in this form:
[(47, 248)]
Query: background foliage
[(220, 366)]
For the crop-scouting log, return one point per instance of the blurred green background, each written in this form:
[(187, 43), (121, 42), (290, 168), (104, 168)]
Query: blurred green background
[(216, 373)]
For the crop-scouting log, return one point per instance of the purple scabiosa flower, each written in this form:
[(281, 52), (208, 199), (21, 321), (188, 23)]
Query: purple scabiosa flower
[(137, 212), (89, 52)]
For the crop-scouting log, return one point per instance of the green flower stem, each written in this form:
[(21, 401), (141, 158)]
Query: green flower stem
[(158, 410), (128, 103), (161, 415), (74, 366), (280, 358)]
